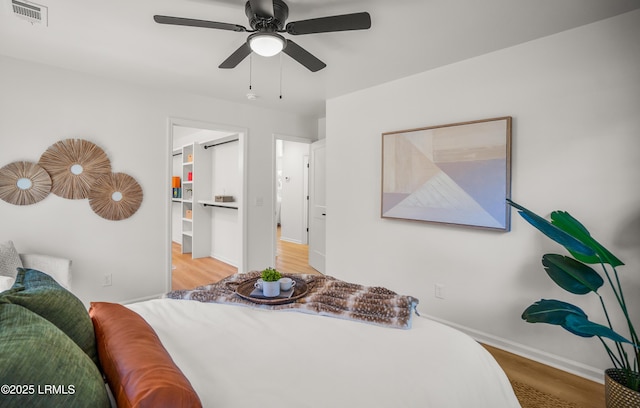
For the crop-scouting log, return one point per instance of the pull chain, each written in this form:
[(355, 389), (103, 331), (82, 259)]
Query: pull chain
[(281, 75), (250, 69)]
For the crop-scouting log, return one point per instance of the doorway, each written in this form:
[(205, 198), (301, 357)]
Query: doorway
[(291, 204), (200, 153), (317, 206)]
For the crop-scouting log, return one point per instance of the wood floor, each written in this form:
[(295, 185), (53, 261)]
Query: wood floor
[(189, 273), (580, 391), (293, 258)]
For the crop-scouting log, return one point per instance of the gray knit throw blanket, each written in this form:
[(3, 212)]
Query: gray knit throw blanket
[(326, 296)]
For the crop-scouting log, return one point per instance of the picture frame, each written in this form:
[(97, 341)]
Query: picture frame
[(457, 174)]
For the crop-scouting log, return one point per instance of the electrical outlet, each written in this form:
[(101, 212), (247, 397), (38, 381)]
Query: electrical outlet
[(439, 290), (106, 279)]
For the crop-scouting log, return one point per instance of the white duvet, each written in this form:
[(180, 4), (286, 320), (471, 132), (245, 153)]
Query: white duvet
[(239, 357)]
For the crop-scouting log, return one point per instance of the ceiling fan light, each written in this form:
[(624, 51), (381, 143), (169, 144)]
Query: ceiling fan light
[(266, 45)]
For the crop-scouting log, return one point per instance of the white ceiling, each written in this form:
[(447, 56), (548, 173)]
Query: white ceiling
[(119, 39)]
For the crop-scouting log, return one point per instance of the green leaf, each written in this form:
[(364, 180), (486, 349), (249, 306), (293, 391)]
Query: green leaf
[(570, 317), (571, 275), (573, 227), (581, 326), (550, 311), (553, 232), (270, 275)]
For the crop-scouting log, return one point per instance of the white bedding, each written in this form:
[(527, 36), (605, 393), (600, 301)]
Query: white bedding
[(241, 357)]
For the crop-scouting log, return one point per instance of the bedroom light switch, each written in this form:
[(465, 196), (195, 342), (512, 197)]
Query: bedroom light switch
[(106, 280), (439, 290)]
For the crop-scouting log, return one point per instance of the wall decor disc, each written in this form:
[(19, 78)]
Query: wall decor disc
[(115, 196), (74, 165), (24, 183)]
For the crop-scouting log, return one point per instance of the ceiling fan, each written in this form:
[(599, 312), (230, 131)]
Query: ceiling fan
[(267, 19)]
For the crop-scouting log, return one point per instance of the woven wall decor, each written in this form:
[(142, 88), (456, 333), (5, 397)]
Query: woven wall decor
[(24, 183), (115, 196), (74, 165)]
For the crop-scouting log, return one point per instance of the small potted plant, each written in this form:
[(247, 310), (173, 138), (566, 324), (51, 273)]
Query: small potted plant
[(270, 284), (573, 274)]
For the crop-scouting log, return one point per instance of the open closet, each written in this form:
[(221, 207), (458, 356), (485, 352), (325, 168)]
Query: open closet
[(207, 184)]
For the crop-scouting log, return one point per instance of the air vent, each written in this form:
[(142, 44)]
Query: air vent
[(32, 12)]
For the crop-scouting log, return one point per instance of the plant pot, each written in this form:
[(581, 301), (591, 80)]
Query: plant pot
[(271, 289), (617, 395)]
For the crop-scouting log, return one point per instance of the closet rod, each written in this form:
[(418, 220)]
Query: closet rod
[(221, 143), (219, 206)]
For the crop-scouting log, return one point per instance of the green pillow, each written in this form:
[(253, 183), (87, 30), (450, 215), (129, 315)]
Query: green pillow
[(41, 294), (41, 367)]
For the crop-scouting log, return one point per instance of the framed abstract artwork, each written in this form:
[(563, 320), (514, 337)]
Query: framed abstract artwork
[(458, 173)]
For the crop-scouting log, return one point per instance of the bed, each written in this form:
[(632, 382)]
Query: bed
[(241, 357), (188, 353)]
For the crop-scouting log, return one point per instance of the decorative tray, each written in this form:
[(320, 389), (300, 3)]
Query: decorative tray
[(245, 289)]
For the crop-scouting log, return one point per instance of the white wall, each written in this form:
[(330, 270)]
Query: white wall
[(293, 198), (41, 105), (575, 101), (322, 128), (224, 221), (183, 135)]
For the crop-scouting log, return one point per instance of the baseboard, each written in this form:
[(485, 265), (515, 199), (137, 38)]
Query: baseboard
[(561, 363), (223, 259), (293, 241), (142, 299)]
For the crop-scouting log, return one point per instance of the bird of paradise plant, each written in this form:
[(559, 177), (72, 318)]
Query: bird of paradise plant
[(575, 276)]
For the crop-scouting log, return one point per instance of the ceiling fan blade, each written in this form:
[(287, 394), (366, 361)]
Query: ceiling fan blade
[(262, 8), (237, 57), (303, 56), (345, 22), (198, 23)]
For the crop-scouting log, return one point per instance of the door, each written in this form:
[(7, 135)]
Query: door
[(305, 207), (318, 206)]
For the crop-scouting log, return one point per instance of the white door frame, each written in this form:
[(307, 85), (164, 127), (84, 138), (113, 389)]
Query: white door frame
[(305, 193), (317, 213), (243, 133), (274, 222)]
